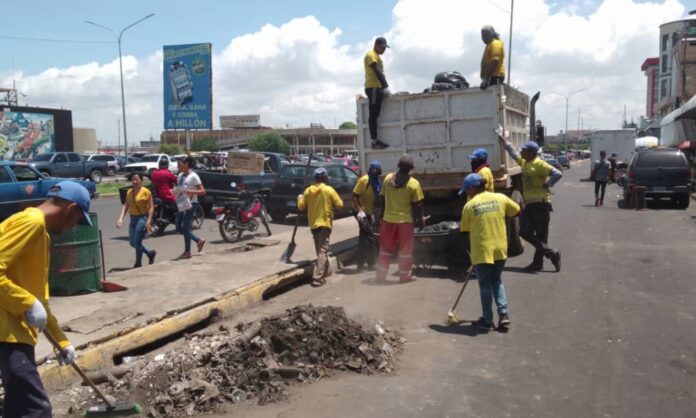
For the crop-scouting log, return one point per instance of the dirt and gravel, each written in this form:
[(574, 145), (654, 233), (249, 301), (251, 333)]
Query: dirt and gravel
[(254, 362)]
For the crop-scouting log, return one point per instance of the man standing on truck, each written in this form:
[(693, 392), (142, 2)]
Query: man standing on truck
[(25, 250), (401, 206), (493, 60), (479, 164), (483, 217), (163, 180), (376, 87), (365, 193), (320, 200), (538, 177)]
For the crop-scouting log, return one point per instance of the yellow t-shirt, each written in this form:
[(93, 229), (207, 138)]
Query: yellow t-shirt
[(319, 200), (138, 206), (487, 174), (495, 50), (25, 255), (534, 175), (484, 218), (398, 209), (371, 80), (364, 190)]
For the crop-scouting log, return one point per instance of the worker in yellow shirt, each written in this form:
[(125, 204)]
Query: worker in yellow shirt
[(493, 60), (376, 87), (320, 200), (401, 208), (538, 177), (483, 217), (25, 249), (479, 164), (365, 193)]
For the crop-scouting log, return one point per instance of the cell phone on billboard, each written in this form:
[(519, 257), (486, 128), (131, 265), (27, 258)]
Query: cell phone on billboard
[(180, 79)]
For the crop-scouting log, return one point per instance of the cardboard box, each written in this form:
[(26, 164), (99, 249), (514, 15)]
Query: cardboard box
[(245, 162)]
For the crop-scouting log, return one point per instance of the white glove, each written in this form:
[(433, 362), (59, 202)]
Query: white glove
[(361, 215), (67, 356), (36, 316), (299, 196), (386, 92)]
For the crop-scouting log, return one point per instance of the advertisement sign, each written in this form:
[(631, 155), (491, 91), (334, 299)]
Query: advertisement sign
[(240, 121), (25, 135), (187, 72)]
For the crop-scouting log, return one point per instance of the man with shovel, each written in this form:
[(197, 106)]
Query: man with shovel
[(24, 313), (320, 200)]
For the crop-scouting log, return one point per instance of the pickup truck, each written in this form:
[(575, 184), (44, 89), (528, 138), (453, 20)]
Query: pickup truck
[(150, 163), (21, 186), (69, 165)]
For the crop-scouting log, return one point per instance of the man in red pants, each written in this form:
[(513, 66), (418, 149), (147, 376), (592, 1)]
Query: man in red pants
[(401, 204)]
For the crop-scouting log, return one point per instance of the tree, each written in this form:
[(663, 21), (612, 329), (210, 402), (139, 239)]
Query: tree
[(348, 125), (204, 144), (170, 149), (269, 142)]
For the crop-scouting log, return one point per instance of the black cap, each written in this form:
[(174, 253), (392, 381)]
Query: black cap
[(381, 41)]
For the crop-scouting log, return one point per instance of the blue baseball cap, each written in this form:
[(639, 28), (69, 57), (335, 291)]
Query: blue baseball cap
[(479, 154), (531, 146), (319, 172), (472, 180), (73, 192)]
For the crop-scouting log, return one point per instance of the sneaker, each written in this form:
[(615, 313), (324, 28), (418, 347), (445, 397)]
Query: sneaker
[(137, 266), (200, 244), (483, 325), (556, 260), (503, 321), (377, 144), (183, 256), (151, 257), (533, 267)]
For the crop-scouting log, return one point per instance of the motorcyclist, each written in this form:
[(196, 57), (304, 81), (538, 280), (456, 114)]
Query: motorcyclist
[(163, 180)]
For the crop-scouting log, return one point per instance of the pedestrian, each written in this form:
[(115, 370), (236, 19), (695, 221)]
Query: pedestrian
[(600, 175), (25, 246), (483, 217), (493, 60), (538, 177), (401, 208), (188, 188), (479, 164), (365, 193), (140, 207), (612, 172), (163, 181), (320, 200), (376, 87)]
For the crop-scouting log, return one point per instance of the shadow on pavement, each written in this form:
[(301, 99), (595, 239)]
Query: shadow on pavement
[(375, 282), (520, 270), (119, 269), (462, 328)]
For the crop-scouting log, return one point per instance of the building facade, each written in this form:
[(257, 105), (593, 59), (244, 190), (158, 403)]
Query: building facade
[(651, 69), (677, 47)]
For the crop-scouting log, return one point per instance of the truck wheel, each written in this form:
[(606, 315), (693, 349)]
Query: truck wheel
[(96, 176), (278, 215), (111, 172), (681, 201)]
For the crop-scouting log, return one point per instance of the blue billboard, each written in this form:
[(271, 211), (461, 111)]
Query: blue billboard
[(188, 98)]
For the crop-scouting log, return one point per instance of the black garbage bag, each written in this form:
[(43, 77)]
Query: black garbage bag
[(443, 87), (452, 77)]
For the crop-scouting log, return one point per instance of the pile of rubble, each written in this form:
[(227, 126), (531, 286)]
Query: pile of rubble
[(256, 361)]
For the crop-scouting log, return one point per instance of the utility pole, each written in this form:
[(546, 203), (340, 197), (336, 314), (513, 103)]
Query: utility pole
[(118, 147), (509, 75)]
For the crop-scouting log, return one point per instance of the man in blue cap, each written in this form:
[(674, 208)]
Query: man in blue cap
[(320, 200), (24, 312), (365, 194), (479, 164), (538, 177), (483, 217)]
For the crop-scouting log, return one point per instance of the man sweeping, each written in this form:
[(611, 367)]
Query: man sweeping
[(365, 193), (24, 312), (320, 200), (483, 217)]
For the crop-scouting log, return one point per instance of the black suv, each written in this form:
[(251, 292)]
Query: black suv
[(664, 172)]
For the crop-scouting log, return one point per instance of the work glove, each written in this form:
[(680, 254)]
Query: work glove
[(67, 356), (36, 316), (361, 215), (386, 92)]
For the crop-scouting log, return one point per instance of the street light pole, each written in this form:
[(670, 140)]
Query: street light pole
[(120, 66), (512, 10), (567, 98)]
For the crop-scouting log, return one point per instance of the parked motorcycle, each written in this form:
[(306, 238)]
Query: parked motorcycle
[(165, 215), (237, 216)]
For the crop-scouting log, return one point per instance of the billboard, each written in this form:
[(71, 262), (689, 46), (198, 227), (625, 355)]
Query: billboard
[(187, 74), (28, 131), (240, 121)]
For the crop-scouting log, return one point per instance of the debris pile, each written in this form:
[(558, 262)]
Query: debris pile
[(257, 361)]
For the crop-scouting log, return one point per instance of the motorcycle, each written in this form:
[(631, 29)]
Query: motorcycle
[(237, 216), (165, 215)]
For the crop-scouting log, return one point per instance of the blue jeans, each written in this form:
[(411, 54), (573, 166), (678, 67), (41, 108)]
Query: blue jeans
[(136, 234), (491, 286), (183, 226)]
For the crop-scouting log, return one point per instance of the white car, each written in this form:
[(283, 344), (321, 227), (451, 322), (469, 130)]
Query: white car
[(110, 160), (150, 163)]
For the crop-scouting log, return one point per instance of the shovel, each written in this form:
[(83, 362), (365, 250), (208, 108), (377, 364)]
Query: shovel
[(287, 255)]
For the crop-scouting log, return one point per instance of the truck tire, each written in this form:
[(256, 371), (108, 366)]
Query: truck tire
[(681, 201), (96, 176), (111, 172), (515, 246), (278, 215)]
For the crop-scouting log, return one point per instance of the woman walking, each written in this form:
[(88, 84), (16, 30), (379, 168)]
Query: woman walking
[(189, 187), (140, 207)]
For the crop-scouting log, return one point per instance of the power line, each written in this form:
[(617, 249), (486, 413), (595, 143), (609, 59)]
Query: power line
[(70, 41), (497, 7)]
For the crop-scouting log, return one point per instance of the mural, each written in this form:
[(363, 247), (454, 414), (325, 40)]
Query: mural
[(24, 135)]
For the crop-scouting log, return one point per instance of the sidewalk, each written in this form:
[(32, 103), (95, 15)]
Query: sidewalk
[(166, 289)]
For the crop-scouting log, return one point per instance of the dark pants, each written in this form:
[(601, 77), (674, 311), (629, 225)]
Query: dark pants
[(374, 97), (496, 80), (367, 243), (25, 395), (600, 186), (534, 229)]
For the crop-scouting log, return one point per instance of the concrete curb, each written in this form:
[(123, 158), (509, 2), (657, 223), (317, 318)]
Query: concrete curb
[(100, 355), (108, 196)]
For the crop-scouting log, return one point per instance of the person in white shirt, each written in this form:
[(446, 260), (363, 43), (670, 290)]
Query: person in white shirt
[(189, 187)]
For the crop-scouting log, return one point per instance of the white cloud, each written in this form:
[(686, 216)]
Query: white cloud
[(301, 72)]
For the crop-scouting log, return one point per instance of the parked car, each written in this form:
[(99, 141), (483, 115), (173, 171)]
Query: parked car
[(21, 186), (69, 165), (554, 162), (664, 172), (110, 160), (150, 163), (563, 161), (289, 184), (349, 162), (122, 162)]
